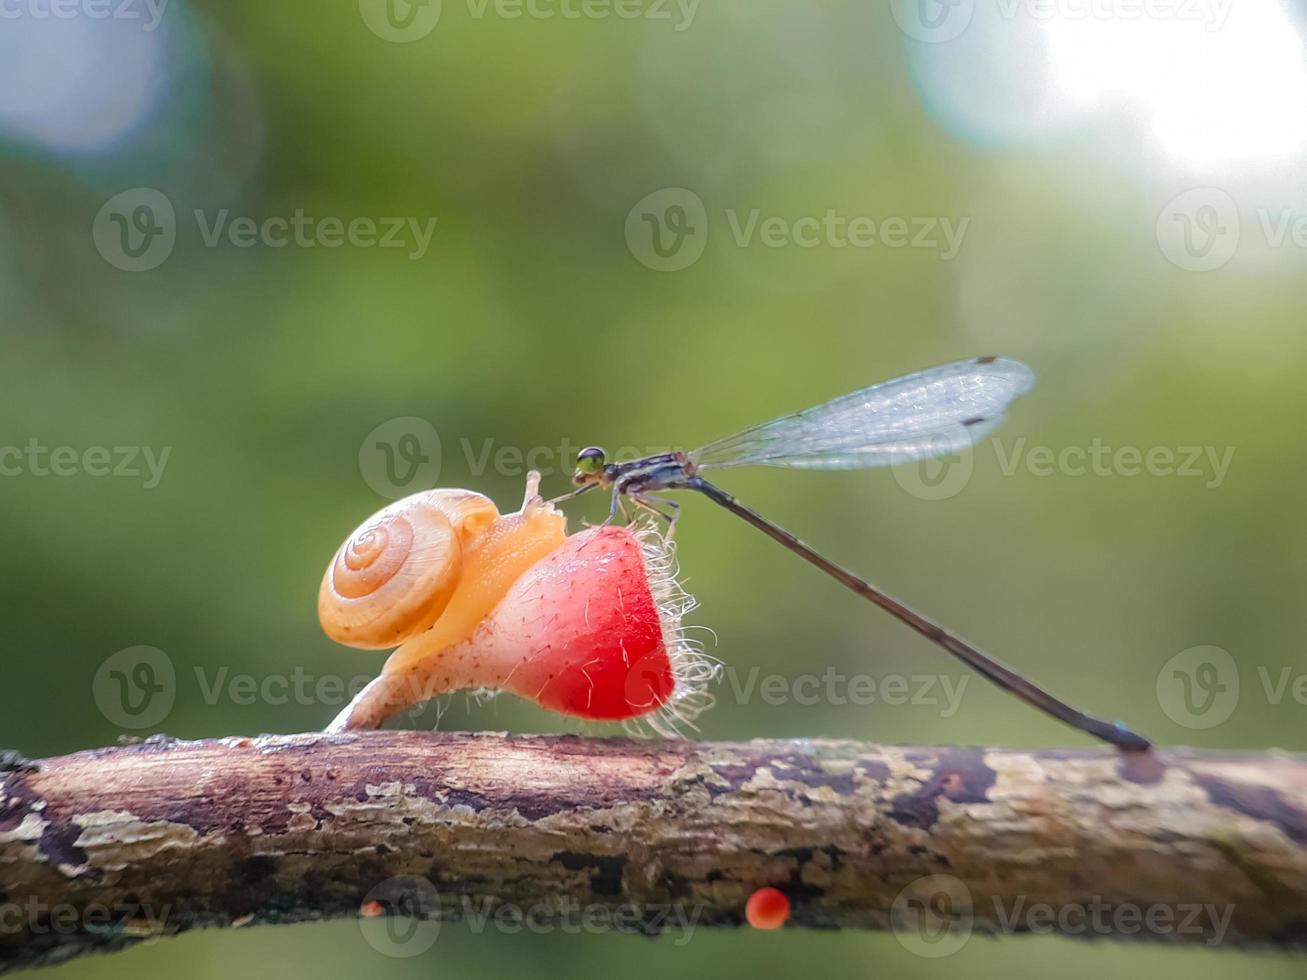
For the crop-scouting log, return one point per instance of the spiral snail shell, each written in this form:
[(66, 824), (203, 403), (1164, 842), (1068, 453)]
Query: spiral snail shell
[(396, 574), (586, 625), (399, 572)]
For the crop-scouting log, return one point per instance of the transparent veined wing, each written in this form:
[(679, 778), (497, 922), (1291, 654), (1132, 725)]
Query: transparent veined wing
[(931, 413)]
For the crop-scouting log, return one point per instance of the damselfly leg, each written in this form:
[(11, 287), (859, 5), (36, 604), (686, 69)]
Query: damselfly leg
[(655, 505)]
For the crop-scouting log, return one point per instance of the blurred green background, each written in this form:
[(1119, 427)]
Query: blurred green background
[(1128, 191)]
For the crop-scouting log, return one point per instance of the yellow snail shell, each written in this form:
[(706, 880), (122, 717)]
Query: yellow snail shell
[(397, 572)]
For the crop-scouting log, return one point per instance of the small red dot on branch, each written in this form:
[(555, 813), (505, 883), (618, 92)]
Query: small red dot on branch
[(767, 908)]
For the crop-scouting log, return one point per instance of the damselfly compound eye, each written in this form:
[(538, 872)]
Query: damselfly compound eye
[(587, 625), (590, 461)]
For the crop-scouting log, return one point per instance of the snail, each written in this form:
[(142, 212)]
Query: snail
[(588, 625)]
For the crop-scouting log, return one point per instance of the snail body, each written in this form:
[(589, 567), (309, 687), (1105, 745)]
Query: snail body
[(586, 625)]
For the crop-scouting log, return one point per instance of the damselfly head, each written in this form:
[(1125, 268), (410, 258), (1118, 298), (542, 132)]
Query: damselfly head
[(590, 466)]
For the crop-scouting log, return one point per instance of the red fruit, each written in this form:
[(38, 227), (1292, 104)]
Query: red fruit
[(767, 908), (580, 632)]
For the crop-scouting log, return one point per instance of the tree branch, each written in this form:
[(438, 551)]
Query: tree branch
[(102, 849)]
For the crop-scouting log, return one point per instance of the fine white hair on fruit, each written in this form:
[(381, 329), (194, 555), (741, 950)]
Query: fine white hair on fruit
[(693, 670)]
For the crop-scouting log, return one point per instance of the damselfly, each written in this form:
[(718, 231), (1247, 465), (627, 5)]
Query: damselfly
[(932, 413)]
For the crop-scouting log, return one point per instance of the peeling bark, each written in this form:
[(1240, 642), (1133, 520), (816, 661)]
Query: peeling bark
[(101, 849)]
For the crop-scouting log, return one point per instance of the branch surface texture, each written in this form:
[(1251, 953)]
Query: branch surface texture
[(106, 848)]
